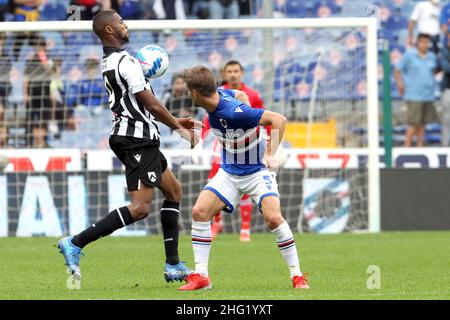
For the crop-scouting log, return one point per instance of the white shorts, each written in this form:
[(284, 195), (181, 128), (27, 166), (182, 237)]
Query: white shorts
[(230, 188)]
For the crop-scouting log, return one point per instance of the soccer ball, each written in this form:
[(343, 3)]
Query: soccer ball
[(154, 61)]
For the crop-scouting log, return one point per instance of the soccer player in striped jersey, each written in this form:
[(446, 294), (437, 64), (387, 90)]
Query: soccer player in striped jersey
[(245, 169), (135, 141)]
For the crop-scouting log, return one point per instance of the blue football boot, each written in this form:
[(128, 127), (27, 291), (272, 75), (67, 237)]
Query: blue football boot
[(71, 254), (177, 272)]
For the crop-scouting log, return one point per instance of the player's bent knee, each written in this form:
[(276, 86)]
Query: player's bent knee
[(273, 220), (139, 210), (199, 214)]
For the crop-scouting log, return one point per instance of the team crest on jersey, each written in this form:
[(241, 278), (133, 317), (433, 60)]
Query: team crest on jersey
[(223, 122), (152, 176)]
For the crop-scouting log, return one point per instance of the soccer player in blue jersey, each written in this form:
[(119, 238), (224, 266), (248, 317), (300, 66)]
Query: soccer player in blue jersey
[(247, 168)]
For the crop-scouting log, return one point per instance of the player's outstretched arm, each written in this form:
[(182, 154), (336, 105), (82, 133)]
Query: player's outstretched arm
[(161, 113), (278, 125)]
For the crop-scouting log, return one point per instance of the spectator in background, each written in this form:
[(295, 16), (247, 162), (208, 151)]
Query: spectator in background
[(444, 64), (4, 9), (426, 16), (89, 8), (5, 86), (199, 9), (444, 20), (176, 99), (169, 9), (223, 9), (131, 9), (24, 10), (62, 116), (3, 133), (128, 9), (91, 89), (37, 76), (147, 10), (415, 81)]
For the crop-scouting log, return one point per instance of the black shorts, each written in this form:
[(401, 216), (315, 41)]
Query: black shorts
[(143, 161)]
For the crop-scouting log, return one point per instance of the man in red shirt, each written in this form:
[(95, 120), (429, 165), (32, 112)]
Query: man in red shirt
[(233, 73)]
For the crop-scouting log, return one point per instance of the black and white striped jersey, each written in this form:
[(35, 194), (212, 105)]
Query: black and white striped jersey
[(123, 78)]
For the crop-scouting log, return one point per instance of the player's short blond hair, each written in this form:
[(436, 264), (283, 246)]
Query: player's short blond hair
[(200, 79)]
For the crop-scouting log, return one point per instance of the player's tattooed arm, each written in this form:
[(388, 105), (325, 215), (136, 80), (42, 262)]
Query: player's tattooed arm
[(241, 96), (160, 112), (278, 124)]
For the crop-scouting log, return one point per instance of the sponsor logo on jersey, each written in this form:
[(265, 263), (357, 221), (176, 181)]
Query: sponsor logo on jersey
[(238, 109), (137, 156)]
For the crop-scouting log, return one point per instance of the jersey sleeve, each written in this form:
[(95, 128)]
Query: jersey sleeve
[(229, 92), (249, 117), (131, 71)]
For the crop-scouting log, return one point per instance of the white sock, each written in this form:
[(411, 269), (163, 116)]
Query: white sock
[(286, 244), (201, 244)]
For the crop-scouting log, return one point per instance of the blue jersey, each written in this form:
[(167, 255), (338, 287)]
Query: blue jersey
[(236, 126)]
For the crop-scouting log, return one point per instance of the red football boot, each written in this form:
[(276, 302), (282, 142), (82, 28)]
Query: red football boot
[(300, 282), (195, 281)]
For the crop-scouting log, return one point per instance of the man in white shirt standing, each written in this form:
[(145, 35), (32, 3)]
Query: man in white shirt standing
[(426, 16)]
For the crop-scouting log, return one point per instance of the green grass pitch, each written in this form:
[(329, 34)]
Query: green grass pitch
[(413, 265)]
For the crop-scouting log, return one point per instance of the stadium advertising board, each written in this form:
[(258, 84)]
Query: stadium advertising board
[(60, 203), (42, 160), (105, 160)]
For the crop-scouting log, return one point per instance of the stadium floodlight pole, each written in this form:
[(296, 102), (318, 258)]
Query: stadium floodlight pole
[(368, 23)]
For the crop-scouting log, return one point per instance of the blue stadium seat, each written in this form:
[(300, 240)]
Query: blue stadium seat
[(433, 138), (296, 9), (288, 74), (400, 129), (433, 128), (129, 10), (398, 139), (397, 22), (335, 9), (358, 130)]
